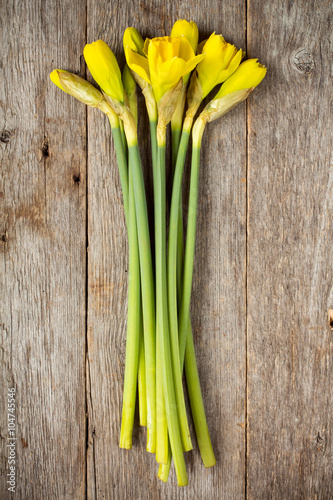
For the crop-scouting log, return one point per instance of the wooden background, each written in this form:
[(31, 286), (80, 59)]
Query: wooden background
[(263, 275)]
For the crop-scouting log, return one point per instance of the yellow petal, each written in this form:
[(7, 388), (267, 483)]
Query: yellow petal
[(234, 63), (137, 63), (248, 75), (168, 76), (55, 79), (104, 68), (145, 46), (185, 50), (221, 60)]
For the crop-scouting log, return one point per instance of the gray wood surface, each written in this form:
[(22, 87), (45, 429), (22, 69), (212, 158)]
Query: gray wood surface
[(43, 250), (262, 286), (290, 209)]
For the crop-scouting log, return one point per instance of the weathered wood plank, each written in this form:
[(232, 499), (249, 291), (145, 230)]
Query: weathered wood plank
[(219, 284), (290, 253), (43, 243)]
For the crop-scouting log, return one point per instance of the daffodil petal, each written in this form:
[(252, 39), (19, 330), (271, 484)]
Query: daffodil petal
[(145, 46), (185, 50), (55, 79), (248, 75), (138, 64)]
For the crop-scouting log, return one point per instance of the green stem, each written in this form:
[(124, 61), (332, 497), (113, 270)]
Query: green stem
[(164, 469), (161, 421), (192, 377), (153, 141), (175, 141), (147, 287), (162, 321), (172, 292), (173, 251), (184, 314), (133, 328), (142, 377), (196, 402), (123, 168), (185, 332), (123, 138)]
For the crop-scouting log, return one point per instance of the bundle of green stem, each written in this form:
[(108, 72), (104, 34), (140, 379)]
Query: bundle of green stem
[(159, 334)]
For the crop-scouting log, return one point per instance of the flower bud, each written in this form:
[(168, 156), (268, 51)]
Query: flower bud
[(130, 91), (133, 40), (104, 68), (77, 87), (189, 30)]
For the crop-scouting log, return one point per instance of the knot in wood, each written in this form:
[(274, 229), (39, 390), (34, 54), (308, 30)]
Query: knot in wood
[(303, 60)]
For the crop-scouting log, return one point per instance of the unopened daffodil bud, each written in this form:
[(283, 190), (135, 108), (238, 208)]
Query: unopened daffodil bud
[(189, 30), (130, 91), (220, 61), (104, 68), (84, 91), (249, 74), (133, 40), (77, 87), (138, 63)]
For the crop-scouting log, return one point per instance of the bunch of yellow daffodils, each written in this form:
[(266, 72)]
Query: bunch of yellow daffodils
[(159, 335)]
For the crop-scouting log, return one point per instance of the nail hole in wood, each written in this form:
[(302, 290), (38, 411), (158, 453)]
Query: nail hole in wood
[(330, 318), (45, 148), (5, 136), (4, 238), (77, 178)]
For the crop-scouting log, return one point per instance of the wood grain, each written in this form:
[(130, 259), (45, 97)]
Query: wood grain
[(219, 286), (263, 275), (290, 253), (42, 250)]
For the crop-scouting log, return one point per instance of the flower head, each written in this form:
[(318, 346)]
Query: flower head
[(249, 74), (104, 68), (220, 61), (169, 59), (77, 87)]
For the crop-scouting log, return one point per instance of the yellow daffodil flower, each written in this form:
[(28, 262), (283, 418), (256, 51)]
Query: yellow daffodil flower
[(104, 68), (169, 59), (220, 61), (189, 30), (249, 74), (77, 87)]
